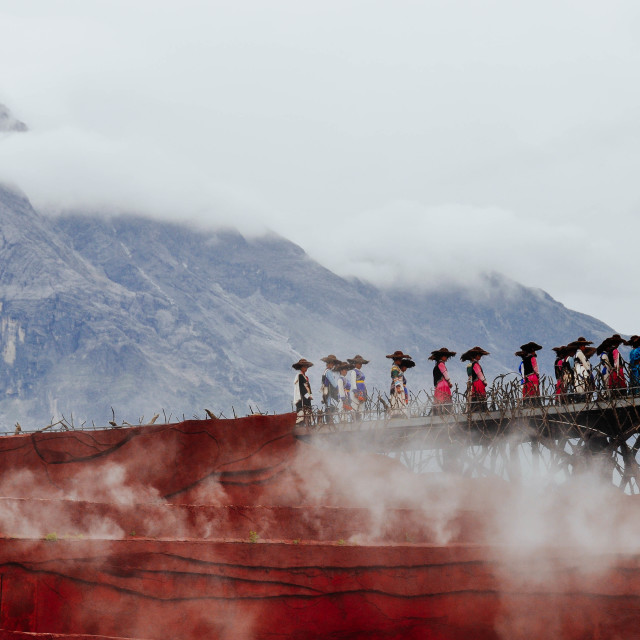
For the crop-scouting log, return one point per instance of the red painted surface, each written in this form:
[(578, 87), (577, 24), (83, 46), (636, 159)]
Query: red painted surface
[(235, 530)]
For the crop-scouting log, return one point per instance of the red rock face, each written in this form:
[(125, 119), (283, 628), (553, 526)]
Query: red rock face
[(232, 529)]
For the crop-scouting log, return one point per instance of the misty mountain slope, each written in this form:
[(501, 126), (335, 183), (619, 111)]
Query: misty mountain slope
[(267, 296), (244, 301), (76, 340), (141, 315), (60, 319)]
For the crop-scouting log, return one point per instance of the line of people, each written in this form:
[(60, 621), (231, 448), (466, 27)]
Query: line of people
[(577, 379), (343, 387)]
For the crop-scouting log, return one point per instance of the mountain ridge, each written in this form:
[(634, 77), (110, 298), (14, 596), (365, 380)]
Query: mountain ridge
[(138, 315)]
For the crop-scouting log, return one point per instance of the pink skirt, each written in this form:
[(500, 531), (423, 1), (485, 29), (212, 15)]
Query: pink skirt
[(442, 394)]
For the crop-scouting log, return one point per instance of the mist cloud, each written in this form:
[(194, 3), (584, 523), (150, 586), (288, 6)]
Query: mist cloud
[(426, 142)]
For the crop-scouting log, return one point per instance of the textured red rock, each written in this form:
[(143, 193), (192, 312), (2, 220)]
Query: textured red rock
[(235, 530)]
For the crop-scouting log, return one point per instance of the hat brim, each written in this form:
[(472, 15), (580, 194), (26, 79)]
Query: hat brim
[(300, 364), (476, 351), (438, 353)]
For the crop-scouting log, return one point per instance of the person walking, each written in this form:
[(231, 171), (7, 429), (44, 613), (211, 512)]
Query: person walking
[(582, 380), (604, 366), (358, 384), (560, 369), (344, 388), (398, 399), (617, 379), (329, 387), (477, 383), (634, 364), (302, 396), (441, 381), (530, 373)]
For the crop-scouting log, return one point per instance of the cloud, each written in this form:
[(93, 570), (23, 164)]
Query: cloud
[(68, 168), (445, 128)]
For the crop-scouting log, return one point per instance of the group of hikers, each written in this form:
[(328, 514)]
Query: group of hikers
[(343, 387)]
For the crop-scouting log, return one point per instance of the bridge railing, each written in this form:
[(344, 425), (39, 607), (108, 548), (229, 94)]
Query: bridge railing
[(504, 395)]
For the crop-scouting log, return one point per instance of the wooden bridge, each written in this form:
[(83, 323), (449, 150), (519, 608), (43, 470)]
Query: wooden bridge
[(568, 436)]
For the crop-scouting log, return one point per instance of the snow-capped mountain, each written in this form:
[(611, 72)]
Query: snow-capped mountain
[(139, 315)]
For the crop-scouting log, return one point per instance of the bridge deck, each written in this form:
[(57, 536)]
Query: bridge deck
[(611, 417)]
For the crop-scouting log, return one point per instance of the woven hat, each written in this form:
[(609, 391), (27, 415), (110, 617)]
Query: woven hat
[(330, 359), (398, 355), (633, 341), (442, 351), (408, 362), (559, 350), (302, 363), (357, 360), (589, 351), (616, 339), (531, 346), (520, 354), (341, 365), (475, 351), (581, 342)]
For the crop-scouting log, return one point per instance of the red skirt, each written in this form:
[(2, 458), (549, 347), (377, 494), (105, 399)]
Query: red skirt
[(531, 386), (617, 380), (479, 389)]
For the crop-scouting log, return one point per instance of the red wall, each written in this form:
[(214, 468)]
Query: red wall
[(216, 530)]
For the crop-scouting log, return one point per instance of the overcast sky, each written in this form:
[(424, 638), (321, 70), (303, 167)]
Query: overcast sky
[(412, 140)]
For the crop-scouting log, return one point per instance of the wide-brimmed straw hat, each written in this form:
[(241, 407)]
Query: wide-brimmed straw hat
[(520, 354), (475, 351), (398, 355), (357, 360), (559, 350), (633, 341), (341, 365), (616, 339), (442, 351), (531, 346), (581, 342), (302, 363), (589, 351), (330, 359), (408, 362)]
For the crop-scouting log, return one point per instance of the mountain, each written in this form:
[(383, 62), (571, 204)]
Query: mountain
[(139, 315), (8, 122)]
